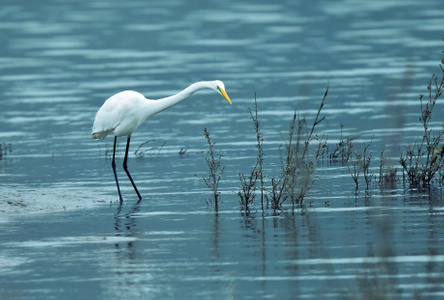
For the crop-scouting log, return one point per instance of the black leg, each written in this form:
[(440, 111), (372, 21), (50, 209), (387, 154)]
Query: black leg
[(113, 164), (125, 167)]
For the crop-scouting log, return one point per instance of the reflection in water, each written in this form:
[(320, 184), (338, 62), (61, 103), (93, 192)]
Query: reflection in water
[(60, 60), (315, 250), (126, 267), (125, 224), (254, 231), (126, 251), (130, 221), (215, 235)]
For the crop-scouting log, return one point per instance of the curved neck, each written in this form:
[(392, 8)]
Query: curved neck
[(167, 102)]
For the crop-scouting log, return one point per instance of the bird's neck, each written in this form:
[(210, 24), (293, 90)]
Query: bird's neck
[(167, 102)]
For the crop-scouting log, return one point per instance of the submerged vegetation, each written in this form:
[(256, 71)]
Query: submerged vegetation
[(422, 162), (423, 159), (139, 153), (248, 182), (297, 166), (4, 149), (357, 163), (216, 169)]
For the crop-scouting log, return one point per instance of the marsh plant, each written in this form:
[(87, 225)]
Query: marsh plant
[(387, 173), (248, 182), (297, 164), (140, 153), (338, 153), (216, 168), (4, 149), (248, 188), (357, 163), (423, 159)]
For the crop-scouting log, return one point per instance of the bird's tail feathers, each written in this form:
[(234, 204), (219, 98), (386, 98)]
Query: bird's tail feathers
[(100, 135)]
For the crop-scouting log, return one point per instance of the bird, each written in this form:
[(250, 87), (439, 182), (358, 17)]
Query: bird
[(121, 114)]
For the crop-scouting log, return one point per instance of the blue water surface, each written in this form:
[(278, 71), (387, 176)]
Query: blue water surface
[(63, 232)]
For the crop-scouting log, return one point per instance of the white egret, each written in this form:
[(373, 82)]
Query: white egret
[(123, 112)]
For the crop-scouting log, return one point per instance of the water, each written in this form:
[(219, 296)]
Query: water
[(63, 231)]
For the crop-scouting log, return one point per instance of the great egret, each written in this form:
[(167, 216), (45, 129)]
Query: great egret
[(123, 112)]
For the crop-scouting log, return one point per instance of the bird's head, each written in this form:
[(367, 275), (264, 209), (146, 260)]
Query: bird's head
[(219, 87)]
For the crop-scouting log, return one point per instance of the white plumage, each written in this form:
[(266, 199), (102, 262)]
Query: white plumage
[(123, 112), (120, 115)]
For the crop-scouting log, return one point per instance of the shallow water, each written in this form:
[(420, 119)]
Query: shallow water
[(63, 231)]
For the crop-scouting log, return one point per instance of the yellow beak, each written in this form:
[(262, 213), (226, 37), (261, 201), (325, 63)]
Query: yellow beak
[(224, 94)]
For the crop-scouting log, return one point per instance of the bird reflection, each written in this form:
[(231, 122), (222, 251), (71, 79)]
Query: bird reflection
[(125, 223)]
